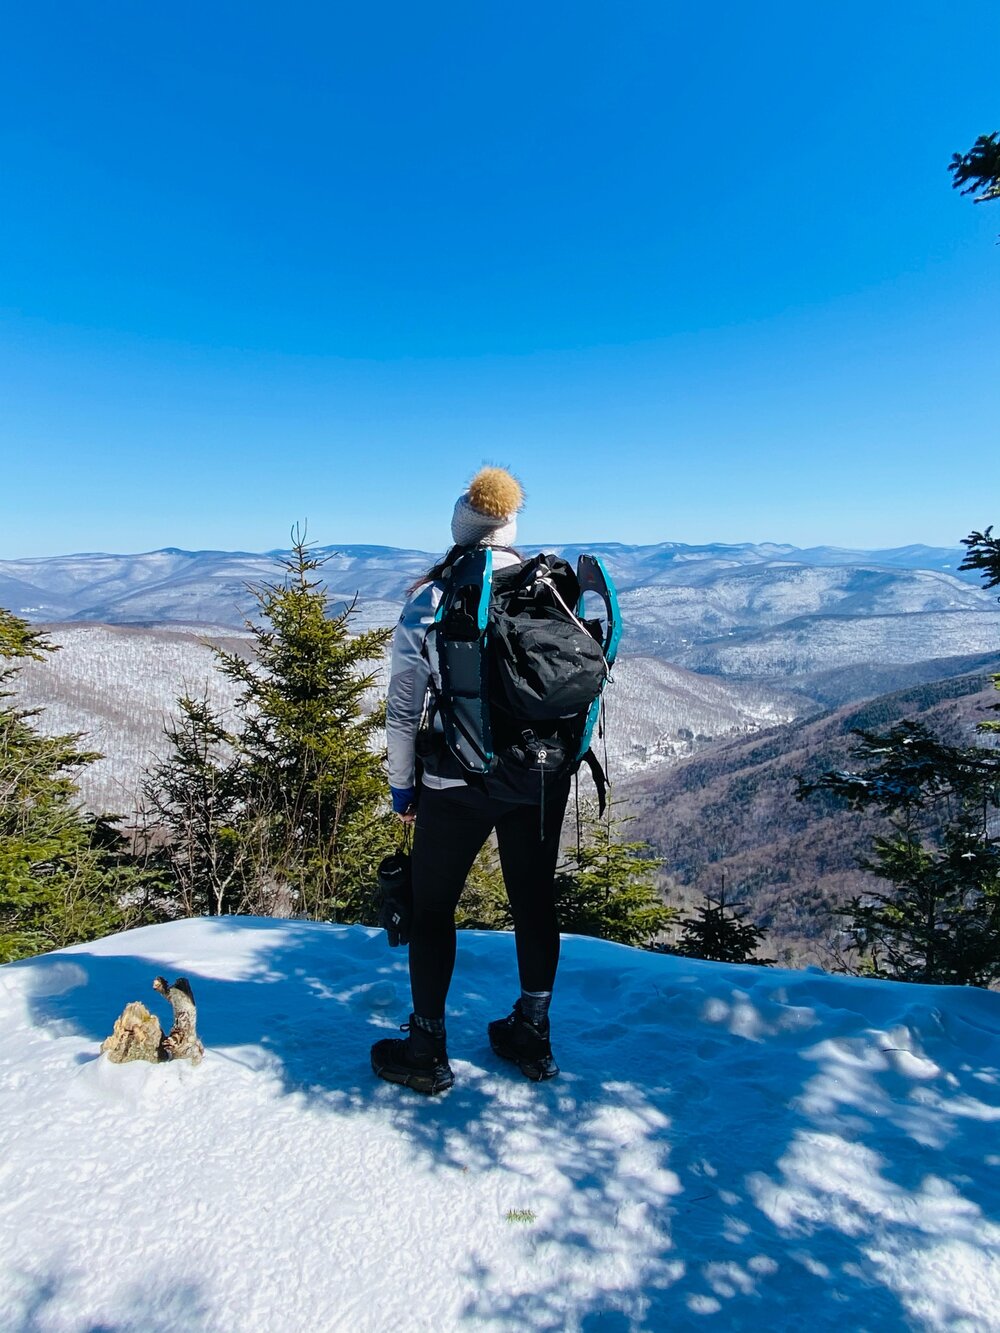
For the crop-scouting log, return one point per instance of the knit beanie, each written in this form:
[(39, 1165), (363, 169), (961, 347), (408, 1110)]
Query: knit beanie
[(486, 514)]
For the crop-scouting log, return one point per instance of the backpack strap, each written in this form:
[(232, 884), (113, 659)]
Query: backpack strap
[(454, 645), (600, 779)]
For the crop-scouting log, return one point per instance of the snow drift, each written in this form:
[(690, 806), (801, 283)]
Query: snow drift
[(727, 1147)]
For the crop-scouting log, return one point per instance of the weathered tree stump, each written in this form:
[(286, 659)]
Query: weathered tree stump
[(137, 1034), (182, 1041)]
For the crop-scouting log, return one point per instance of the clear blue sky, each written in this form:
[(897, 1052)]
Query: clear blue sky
[(696, 272)]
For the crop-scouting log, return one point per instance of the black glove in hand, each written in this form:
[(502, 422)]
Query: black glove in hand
[(396, 910)]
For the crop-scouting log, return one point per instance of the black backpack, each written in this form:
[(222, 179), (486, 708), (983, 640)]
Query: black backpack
[(521, 671)]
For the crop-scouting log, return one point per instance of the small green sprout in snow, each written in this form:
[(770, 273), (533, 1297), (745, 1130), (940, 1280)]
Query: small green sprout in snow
[(520, 1215)]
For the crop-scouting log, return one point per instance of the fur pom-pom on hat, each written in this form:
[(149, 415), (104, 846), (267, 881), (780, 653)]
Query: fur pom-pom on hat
[(486, 515), (494, 491)]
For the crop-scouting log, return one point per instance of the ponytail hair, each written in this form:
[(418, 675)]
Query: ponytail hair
[(435, 572)]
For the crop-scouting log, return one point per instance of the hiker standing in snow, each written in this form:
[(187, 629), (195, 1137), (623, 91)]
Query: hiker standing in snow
[(453, 818)]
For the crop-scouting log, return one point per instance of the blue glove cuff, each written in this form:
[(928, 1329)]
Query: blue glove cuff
[(402, 799)]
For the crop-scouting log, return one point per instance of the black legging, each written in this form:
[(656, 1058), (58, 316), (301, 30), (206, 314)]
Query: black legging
[(452, 825)]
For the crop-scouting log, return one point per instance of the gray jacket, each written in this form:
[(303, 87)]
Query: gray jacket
[(409, 679)]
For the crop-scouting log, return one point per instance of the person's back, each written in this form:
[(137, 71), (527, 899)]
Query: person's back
[(452, 820), (411, 675)]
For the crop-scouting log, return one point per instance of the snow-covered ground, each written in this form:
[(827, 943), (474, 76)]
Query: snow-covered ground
[(726, 1148)]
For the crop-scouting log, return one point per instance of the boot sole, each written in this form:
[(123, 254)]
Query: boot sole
[(430, 1083), (537, 1070)]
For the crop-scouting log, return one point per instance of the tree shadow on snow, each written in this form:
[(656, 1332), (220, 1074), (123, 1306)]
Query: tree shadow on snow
[(35, 1303), (721, 1149)]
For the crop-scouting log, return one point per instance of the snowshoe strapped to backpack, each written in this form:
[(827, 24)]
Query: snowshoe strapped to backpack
[(521, 671)]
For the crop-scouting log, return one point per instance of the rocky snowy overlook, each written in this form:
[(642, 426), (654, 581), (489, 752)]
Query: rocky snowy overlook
[(727, 1147)]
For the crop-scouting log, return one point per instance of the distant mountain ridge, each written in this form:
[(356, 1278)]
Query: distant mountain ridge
[(177, 586)]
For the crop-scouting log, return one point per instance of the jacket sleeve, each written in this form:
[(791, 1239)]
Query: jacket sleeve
[(408, 680)]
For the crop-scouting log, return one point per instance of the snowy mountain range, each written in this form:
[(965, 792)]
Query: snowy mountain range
[(210, 586), (720, 641), (119, 686), (751, 611), (726, 1147)]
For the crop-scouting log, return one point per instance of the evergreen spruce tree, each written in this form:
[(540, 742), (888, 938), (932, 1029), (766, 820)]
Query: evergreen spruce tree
[(64, 876), (977, 172), (196, 794), (285, 812), (720, 933), (983, 553), (607, 887), (939, 921)]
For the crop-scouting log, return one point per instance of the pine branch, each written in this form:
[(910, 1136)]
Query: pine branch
[(978, 169)]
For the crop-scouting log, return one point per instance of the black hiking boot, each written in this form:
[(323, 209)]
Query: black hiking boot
[(526, 1044), (419, 1061)]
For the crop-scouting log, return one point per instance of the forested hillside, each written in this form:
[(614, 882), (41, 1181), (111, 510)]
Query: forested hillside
[(733, 812), (119, 685)]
